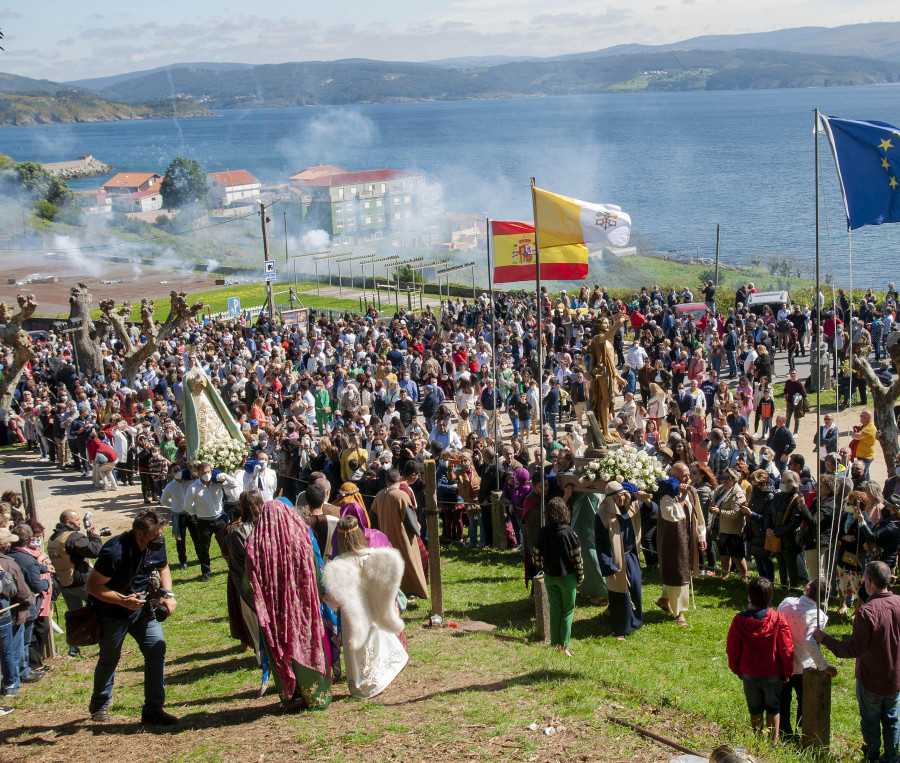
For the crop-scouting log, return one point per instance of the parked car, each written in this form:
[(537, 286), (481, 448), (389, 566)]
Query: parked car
[(695, 310), (774, 299)]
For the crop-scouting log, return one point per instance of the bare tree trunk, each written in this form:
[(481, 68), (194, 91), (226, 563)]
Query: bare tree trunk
[(13, 335), (85, 337), (883, 399), (135, 355)]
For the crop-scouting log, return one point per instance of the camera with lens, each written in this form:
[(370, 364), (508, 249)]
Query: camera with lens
[(103, 532), (153, 608)]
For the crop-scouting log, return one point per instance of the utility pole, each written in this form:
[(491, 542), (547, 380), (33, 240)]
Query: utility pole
[(265, 235)]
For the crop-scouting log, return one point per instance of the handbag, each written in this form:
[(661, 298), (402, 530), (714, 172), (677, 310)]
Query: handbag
[(850, 558), (773, 542), (82, 627)]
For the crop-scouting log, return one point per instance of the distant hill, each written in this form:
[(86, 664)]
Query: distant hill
[(99, 83), (69, 106), (879, 40), (360, 81), (13, 83)]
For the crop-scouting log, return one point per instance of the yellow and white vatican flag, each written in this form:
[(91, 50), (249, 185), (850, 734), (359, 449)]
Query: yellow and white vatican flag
[(562, 221)]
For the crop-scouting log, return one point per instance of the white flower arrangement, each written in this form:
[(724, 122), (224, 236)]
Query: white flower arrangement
[(222, 454), (624, 465)]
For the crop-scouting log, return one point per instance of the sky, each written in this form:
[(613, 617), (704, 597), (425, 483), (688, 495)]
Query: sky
[(64, 40)]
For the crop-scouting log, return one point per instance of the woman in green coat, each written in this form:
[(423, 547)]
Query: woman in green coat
[(583, 513), (324, 413)]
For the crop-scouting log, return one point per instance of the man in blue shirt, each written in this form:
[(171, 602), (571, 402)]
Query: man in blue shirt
[(117, 586)]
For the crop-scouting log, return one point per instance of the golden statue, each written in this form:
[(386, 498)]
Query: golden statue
[(605, 380)]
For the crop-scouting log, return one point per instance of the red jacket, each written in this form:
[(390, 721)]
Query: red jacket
[(94, 447), (760, 647)]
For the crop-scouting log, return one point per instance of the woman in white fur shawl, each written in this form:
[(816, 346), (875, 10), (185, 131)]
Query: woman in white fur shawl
[(363, 582)]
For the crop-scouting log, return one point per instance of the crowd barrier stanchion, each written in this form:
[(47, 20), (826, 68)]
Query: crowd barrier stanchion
[(434, 539)]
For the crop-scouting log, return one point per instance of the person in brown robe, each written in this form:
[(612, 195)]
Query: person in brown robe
[(680, 537), (390, 507)]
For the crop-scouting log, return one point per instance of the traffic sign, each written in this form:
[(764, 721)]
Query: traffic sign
[(234, 307), (270, 270)]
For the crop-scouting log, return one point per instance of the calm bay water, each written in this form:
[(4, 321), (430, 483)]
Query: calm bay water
[(679, 163)]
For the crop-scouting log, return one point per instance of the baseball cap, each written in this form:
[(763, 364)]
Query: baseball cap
[(7, 537)]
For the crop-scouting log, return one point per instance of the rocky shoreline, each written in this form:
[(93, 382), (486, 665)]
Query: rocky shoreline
[(82, 167)]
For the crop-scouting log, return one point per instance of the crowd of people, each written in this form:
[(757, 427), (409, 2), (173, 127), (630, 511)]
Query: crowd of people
[(340, 415)]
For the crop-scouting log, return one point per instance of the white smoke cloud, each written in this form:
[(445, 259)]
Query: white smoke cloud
[(212, 265), (315, 240), (335, 136), (137, 271), (78, 259)]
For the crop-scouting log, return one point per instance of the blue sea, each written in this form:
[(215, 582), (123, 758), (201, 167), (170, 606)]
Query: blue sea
[(679, 163)]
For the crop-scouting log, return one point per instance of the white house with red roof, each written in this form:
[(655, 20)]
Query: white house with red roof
[(134, 191), (231, 186)]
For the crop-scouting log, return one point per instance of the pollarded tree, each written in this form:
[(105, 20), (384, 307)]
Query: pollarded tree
[(13, 335), (135, 354), (183, 183), (86, 337), (883, 397)]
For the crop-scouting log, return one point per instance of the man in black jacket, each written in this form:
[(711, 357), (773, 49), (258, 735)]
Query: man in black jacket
[(31, 571), (782, 442), (69, 550)]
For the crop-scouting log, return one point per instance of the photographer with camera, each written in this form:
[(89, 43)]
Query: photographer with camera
[(121, 589), (69, 550)]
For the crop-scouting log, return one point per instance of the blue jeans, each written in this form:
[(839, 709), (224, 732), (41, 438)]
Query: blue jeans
[(9, 675), (716, 361), (732, 362), (515, 425), (150, 639), (877, 713), (21, 638), (765, 566), (868, 463), (476, 531)]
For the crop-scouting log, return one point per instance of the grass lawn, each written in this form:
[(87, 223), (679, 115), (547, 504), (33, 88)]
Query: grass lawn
[(461, 696), (250, 295)]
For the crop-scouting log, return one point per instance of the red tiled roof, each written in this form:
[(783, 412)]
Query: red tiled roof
[(129, 179), (152, 190), (352, 178), (311, 173), (233, 178)]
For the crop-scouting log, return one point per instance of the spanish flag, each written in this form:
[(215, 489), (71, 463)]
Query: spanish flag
[(562, 221), (514, 256)]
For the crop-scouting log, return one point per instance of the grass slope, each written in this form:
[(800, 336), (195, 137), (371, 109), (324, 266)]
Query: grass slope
[(462, 695)]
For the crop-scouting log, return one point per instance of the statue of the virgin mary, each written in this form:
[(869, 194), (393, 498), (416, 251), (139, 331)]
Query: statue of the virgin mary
[(208, 424)]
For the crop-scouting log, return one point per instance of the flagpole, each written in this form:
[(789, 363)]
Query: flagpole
[(819, 376), (540, 343), (490, 260)]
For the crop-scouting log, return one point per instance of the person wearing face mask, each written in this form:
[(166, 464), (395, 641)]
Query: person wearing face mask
[(38, 582), (41, 632), (174, 496), (258, 476), (122, 573), (204, 501)]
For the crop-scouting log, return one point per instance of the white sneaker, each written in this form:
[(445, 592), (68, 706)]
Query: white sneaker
[(6, 711)]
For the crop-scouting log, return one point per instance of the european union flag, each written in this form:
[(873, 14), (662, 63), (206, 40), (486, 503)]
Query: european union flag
[(867, 155)]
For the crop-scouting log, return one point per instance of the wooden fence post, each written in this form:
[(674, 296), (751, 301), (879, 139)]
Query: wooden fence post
[(816, 733), (29, 505), (499, 521), (434, 539)]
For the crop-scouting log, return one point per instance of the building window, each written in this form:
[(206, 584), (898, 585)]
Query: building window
[(435, 210), (368, 237), (339, 223), (396, 215), (338, 208), (378, 234), (368, 220), (383, 187), (351, 221), (381, 218), (409, 213), (426, 211), (378, 202), (396, 200), (340, 193), (367, 204), (352, 190), (407, 199)]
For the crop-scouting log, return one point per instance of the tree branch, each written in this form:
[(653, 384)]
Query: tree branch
[(116, 319)]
